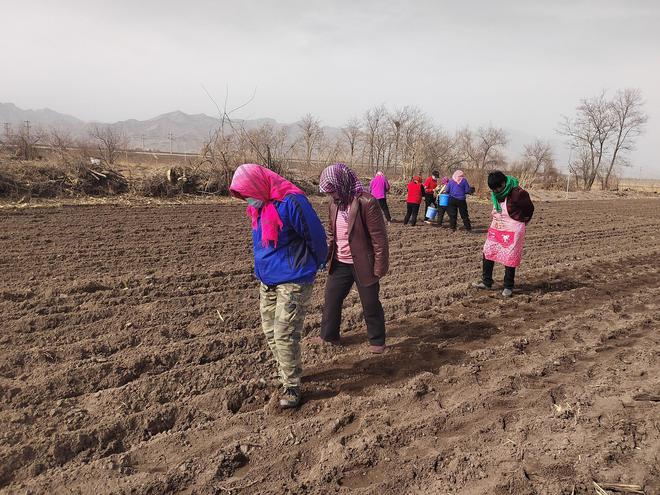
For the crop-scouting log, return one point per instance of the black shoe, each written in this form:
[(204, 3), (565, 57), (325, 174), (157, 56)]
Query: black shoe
[(290, 398)]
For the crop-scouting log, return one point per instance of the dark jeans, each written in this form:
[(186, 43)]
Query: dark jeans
[(509, 274), (386, 210), (430, 201), (456, 205), (412, 211), (337, 287), (441, 214)]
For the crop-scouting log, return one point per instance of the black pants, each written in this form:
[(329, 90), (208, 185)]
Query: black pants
[(456, 205), (430, 201), (441, 214), (509, 274), (337, 287), (412, 211), (386, 210)]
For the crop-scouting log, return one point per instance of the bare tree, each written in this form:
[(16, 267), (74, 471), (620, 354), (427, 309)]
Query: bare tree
[(373, 122), (109, 142), (537, 156), (590, 131), (537, 159), (312, 136), (490, 141), (351, 132), (25, 141), (629, 121), (61, 143)]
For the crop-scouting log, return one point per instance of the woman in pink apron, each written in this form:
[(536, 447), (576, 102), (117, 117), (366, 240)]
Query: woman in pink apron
[(512, 211)]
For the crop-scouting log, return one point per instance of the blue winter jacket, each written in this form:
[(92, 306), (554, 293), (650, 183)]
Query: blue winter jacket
[(301, 247)]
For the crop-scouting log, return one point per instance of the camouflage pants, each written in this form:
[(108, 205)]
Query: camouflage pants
[(283, 309)]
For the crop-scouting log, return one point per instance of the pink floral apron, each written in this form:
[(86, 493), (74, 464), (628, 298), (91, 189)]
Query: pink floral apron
[(506, 238)]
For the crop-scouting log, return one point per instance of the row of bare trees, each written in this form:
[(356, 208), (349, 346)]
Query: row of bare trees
[(104, 142), (400, 142), (601, 134)]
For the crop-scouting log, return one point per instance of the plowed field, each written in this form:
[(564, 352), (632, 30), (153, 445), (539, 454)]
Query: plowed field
[(132, 360)]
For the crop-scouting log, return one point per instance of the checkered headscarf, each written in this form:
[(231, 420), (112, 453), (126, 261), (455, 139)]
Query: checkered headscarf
[(341, 179)]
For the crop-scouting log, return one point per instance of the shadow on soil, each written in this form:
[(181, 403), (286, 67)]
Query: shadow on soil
[(423, 349), (549, 286)]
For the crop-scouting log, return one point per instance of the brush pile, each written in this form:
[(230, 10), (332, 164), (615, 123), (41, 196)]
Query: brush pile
[(30, 180)]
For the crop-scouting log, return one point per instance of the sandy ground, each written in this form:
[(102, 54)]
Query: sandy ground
[(132, 361)]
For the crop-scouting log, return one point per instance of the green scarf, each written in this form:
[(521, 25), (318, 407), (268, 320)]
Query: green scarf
[(496, 198)]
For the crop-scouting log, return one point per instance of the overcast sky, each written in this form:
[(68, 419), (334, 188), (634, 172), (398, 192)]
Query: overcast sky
[(519, 64)]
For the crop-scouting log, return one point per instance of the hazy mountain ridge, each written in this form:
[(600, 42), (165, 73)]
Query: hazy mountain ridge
[(190, 131)]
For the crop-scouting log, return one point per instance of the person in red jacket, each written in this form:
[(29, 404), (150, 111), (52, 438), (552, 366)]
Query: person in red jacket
[(430, 184), (414, 199)]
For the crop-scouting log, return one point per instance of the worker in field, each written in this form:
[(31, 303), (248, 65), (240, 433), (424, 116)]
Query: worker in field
[(430, 184), (413, 200), (458, 188), (512, 211), (441, 208), (358, 253), (379, 187), (289, 246)]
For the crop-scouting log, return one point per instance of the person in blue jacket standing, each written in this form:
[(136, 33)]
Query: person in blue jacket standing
[(290, 247), (458, 189)]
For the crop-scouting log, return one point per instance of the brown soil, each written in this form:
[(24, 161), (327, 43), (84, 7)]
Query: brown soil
[(131, 360)]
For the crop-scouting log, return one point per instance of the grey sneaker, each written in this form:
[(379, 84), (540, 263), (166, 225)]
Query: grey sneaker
[(482, 286), (290, 398), (507, 293)]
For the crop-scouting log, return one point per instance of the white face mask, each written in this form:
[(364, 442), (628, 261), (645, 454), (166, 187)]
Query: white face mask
[(256, 203)]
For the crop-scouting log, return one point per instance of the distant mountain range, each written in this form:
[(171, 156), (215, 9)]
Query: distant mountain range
[(190, 131)]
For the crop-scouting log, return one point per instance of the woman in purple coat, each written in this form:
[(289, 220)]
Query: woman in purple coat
[(458, 188)]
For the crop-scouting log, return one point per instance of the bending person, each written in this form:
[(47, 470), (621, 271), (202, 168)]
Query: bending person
[(440, 189), (289, 246), (512, 211), (358, 253)]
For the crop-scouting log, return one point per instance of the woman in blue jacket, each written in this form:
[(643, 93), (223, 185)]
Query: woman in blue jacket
[(458, 188), (289, 247)]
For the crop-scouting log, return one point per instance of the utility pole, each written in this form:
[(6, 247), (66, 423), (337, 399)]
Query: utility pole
[(142, 142), (27, 127), (171, 137)]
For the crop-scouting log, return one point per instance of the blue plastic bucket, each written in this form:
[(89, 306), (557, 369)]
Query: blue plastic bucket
[(443, 200), (431, 213)]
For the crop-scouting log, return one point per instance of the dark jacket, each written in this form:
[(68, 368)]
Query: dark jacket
[(301, 245), (519, 205), (367, 238)]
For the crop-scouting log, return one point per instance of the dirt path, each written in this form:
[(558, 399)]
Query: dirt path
[(131, 360)]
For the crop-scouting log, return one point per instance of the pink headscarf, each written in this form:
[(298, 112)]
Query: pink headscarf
[(458, 176), (255, 181)]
